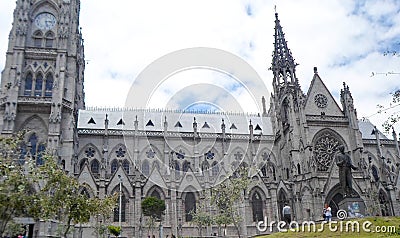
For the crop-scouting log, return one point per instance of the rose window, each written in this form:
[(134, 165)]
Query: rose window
[(321, 100), (325, 150)]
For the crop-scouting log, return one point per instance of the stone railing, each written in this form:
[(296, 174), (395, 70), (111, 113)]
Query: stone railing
[(87, 131), (40, 53), (34, 100), (326, 118)]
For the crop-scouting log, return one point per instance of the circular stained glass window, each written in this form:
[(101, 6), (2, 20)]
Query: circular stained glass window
[(321, 100)]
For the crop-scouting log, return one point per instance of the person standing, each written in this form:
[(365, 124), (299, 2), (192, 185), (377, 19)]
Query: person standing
[(328, 213), (287, 214)]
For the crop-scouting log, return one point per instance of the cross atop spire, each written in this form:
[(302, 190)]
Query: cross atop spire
[(283, 65)]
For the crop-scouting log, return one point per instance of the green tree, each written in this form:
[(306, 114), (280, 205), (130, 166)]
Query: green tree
[(153, 208), (228, 196), (115, 230), (61, 198), (42, 192), (18, 182), (393, 114), (201, 218)]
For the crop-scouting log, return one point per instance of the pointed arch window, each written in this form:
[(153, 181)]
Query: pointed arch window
[(273, 172), (375, 173), (49, 38), (39, 158), (215, 169), (33, 143), (205, 166), (264, 171), (155, 194), (114, 166), (177, 168), (123, 210), (49, 85), (190, 206), (185, 166), (82, 164), (23, 152), (146, 168), (38, 85), (37, 39), (28, 85), (95, 166), (257, 207), (125, 166), (33, 149)]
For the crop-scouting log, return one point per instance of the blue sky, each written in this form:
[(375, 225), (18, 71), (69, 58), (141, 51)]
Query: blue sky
[(345, 39)]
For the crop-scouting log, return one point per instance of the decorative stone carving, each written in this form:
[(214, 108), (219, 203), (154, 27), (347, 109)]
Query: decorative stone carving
[(120, 152), (321, 100), (90, 152), (324, 151), (150, 153)]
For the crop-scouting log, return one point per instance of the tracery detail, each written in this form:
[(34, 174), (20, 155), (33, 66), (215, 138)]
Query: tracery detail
[(90, 152), (324, 151)]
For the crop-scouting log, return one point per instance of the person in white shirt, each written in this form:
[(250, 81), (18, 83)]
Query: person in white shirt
[(328, 213), (287, 214)]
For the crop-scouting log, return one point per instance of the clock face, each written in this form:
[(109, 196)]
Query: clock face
[(321, 100), (45, 21)]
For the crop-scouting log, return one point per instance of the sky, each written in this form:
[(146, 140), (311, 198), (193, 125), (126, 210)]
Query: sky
[(347, 40)]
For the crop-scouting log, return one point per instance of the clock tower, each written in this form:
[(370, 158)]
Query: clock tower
[(42, 82)]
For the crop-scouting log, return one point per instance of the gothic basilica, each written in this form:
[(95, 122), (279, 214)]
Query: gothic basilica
[(176, 155)]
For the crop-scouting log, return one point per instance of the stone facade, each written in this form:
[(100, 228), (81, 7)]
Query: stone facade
[(177, 155)]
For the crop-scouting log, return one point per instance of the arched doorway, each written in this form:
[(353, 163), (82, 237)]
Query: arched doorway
[(257, 206), (190, 206), (334, 203), (334, 197), (384, 203), (282, 200)]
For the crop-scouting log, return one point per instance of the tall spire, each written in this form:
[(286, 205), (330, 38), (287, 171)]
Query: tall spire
[(283, 65)]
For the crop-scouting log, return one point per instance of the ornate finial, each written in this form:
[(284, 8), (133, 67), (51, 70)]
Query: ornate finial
[(264, 106), (315, 70), (194, 125), (275, 9), (282, 59), (165, 123)]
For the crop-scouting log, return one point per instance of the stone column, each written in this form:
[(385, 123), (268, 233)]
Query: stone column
[(138, 207)]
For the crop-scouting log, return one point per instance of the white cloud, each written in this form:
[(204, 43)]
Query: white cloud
[(345, 39)]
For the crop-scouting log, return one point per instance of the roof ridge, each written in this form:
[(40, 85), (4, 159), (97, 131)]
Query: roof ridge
[(126, 109)]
